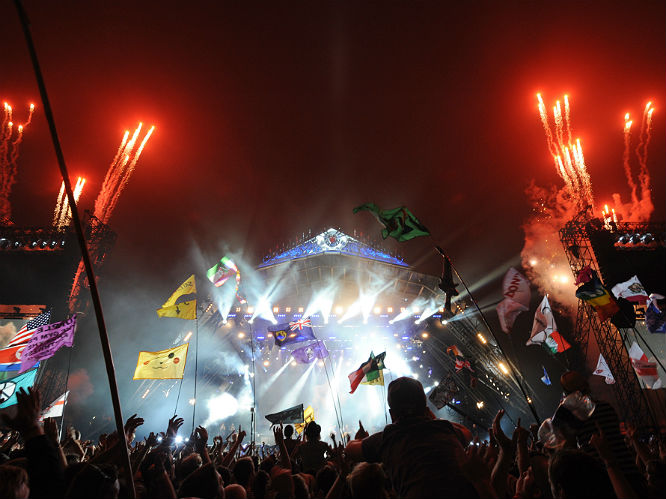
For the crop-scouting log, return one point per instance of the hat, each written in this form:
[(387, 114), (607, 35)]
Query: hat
[(406, 396)]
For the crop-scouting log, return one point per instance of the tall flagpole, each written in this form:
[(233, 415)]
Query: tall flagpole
[(196, 364), (85, 256)]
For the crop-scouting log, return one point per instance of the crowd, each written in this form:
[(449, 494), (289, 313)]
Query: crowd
[(416, 456)]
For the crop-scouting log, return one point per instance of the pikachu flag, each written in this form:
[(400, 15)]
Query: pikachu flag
[(165, 364), (182, 303)]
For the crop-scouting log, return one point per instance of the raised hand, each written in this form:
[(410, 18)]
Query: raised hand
[(151, 440), (51, 429), (599, 442), (277, 433), (174, 424), (361, 433), (200, 437), (241, 434), (526, 486), (130, 427), (506, 444), (28, 406)]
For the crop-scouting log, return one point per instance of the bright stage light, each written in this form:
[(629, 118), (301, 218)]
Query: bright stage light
[(288, 310), (192, 401), (300, 310), (424, 335), (241, 335), (376, 310), (222, 406), (276, 310), (266, 363), (339, 310), (479, 405), (503, 368), (482, 338), (179, 439), (389, 310), (250, 310)]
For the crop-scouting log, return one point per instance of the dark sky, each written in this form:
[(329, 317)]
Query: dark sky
[(272, 120)]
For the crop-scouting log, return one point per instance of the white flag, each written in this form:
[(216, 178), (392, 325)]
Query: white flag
[(56, 409), (631, 290), (646, 370), (603, 370), (543, 325), (516, 291)]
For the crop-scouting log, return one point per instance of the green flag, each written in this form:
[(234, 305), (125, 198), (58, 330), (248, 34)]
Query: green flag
[(399, 223)]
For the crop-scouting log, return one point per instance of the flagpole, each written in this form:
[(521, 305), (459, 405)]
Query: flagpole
[(64, 406), (253, 422), (196, 365), (499, 345), (338, 416), (85, 256)]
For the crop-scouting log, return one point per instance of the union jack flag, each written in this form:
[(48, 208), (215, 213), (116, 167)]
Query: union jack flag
[(25, 333), (300, 324)]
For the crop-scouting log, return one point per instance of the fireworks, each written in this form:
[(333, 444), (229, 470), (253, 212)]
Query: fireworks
[(119, 172), (640, 207), (62, 216), (11, 137), (567, 153)]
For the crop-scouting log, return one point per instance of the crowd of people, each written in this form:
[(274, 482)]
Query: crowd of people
[(416, 456)]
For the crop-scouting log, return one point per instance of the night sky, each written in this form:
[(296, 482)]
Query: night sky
[(273, 120)]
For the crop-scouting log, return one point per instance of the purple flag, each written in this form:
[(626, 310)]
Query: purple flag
[(46, 341), (310, 352)]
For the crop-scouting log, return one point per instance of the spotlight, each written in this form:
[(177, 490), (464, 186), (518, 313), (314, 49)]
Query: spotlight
[(4, 242), (424, 335), (43, 244), (503, 368), (624, 239), (17, 244), (636, 239), (241, 335), (482, 338), (647, 238), (479, 405), (33, 244), (266, 363)]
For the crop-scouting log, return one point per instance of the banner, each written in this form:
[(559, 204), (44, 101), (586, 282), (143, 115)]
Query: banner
[(165, 364), (46, 341)]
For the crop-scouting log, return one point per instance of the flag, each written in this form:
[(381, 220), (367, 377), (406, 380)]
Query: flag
[(460, 364), (556, 343), (310, 352), (625, 318), (56, 408), (545, 378), (586, 274), (631, 290), (543, 325), (398, 223), (646, 370), (292, 332), (594, 293), (516, 289), (25, 333), (46, 341), (603, 370), (455, 350), (8, 388), (308, 417), (374, 378), (654, 317), (287, 416), (221, 271), (368, 371), (165, 364), (10, 360), (444, 392), (182, 303)]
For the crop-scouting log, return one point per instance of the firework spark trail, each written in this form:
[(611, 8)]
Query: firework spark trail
[(119, 172), (567, 117), (10, 140), (626, 158), (63, 209), (544, 121), (59, 203)]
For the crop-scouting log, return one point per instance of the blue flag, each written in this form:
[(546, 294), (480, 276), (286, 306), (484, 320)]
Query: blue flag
[(545, 378), (292, 332), (310, 352), (8, 388)]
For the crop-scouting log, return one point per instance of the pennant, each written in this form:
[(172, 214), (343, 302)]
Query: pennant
[(507, 312), (603, 370), (46, 341), (308, 417), (454, 350), (631, 290), (545, 378), (292, 332), (594, 293), (309, 353), (165, 364), (367, 371), (398, 223), (516, 290), (288, 416), (374, 378), (10, 387), (645, 370), (556, 343), (654, 317), (25, 333), (543, 325), (219, 273), (56, 409), (586, 274), (182, 303)]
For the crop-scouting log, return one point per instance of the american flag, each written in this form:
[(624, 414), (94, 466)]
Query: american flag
[(26, 332), (300, 324)]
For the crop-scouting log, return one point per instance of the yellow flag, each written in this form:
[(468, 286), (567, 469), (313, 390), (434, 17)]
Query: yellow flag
[(186, 309), (165, 364), (377, 381), (308, 415)]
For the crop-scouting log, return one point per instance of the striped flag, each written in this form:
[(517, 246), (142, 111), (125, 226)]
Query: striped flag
[(25, 333), (56, 408)]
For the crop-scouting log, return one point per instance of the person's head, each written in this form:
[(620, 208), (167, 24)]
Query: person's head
[(573, 381), (312, 431), (188, 465), (260, 484), (244, 471), (14, 482), (205, 482), (575, 474), (368, 480), (300, 487), (288, 431), (235, 491), (406, 397), (94, 481), (325, 478), (225, 473)]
